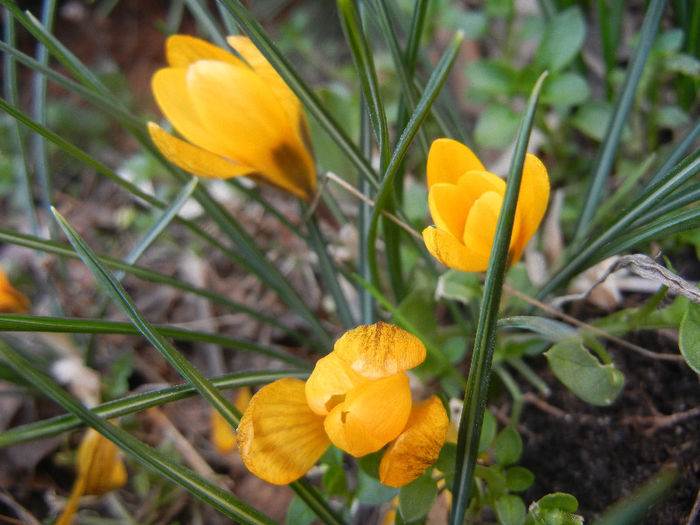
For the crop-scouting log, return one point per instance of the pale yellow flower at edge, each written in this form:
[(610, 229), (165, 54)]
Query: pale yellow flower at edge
[(11, 300), (465, 201), (238, 118), (357, 398), (100, 470)]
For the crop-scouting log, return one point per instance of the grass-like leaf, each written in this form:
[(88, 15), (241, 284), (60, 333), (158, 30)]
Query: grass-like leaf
[(214, 496), (485, 340), (122, 299)]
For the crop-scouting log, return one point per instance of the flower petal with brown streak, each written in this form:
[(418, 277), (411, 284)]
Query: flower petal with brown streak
[(418, 446), (279, 437), (379, 350)]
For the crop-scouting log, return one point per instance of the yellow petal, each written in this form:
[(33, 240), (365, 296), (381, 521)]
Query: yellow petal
[(417, 447), (379, 350), (12, 301), (450, 251), (170, 90), (193, 159), (331, 379), (99, 464), (279, 437), (262, 67), (223, 437), (448, 160), (448, 209), (481, 223), (532, 202), (473, 184), (372, 414), (235, 105), (183, 50)]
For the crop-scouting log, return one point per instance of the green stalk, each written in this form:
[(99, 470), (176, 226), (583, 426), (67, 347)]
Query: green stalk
[(137, 403), (212, 495), (122, 299), (606, 154), (485, 340)]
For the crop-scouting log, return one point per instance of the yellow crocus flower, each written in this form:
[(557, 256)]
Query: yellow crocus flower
[(100, 470), (11, 300), (465, 201), (357, 398), (238, 118)]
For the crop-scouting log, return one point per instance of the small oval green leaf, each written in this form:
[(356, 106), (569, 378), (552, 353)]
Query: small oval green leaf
[(690, 337), (508, 446), (417, 498), (510, 510)]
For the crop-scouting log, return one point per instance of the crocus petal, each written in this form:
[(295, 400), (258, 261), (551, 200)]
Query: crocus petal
[(253, 122), (183, 50), (193, 159), (532, 202), (11, 300), (417, 447), (372, 414), (473, 184), (447, 208), (481, 222), (223, 437), (450, 251), (170, 90), (99, 464), (279, 437), (379, 350), (330, 381), (262, 67), (448, 160)]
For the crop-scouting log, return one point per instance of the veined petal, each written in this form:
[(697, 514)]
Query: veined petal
[(448, 160), (379, 350), (372, 414), (170, 90), (279, 437), (532, 202), (417, 447), (331, 379), (448, 209), (99, 464), (183, 50), (193, 159), (235, 105), (262, 67), (450, 251)]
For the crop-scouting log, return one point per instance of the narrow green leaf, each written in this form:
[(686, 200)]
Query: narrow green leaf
[(689, 341), (137, 403), (606, 155), (592, 381), (148, 456), (30, 323), (122, 299), (553, 330), (200, 11), (484, 344)]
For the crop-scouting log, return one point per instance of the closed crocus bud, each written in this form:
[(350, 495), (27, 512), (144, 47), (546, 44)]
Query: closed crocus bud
[(465, 201), (357, 398), (11, 300), (100, 470), (238, 117)]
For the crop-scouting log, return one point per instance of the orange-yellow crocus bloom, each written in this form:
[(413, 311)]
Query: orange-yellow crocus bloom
[(238, 118), (223, 437), (465, 201), (357, 398), (100, 470), (11, 300)]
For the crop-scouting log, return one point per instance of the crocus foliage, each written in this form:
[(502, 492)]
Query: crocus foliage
[(11, 300), (238, 118), (100, 470), (465, 201), (357, 398)]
